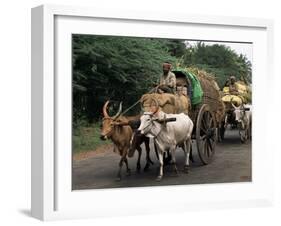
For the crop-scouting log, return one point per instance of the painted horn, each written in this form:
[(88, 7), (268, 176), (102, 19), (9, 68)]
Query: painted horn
[(142, 100), (119, 112), (232, 103), (157, 104), (104, 109)]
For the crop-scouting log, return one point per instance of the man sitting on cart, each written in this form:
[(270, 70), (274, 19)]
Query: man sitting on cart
[(167, 82), (233, 89)]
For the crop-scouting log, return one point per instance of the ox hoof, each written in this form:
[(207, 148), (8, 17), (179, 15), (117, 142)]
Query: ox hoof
[(118, 178), (128, 172), (159, 178), (175, 169), (243, 140), (146, 168), (186, 169), (138, 168)]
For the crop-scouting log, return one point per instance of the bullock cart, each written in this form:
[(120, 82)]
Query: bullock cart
[(237, 110), (205, 108)]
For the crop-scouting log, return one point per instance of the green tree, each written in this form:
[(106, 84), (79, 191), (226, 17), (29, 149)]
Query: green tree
[(219, 60), (116, 68), (124, 68)]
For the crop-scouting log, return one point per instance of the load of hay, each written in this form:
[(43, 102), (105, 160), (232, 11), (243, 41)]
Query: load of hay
[(208, 83), (210, 92)]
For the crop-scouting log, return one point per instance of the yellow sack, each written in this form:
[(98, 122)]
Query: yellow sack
[(242, 89), (225, 90), (236, 100)]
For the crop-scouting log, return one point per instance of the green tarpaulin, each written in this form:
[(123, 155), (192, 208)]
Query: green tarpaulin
[(196, 92)]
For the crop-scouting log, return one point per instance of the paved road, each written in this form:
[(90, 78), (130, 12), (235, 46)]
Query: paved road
[(232, 163)]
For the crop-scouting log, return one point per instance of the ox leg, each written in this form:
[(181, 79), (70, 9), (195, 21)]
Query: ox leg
[(173, 155), (156, 152), (115, 150), (120, 168), (147, 148), (225, 124), (148, 160), (127, 167), (242, 133), (160, 154), (122, 160), (139, 158), (187, 145), (248, 132), (167, 157)]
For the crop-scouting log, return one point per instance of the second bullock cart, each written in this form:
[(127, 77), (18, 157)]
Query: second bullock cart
[(236, 101)]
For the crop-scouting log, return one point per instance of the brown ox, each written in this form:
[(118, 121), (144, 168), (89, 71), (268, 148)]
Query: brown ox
[(119, 130), (169, 103)]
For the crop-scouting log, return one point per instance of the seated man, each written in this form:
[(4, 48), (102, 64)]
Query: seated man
[(233, 89), (167, 82)]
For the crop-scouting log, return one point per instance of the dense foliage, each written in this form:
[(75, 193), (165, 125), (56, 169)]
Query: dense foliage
[(119, 69), (219, 60), (123, 68)]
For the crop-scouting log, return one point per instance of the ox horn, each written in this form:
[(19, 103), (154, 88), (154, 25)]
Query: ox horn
[(142, 100), (104, 109), (119, 112), (157, 104), (233, 105), (142, 108)]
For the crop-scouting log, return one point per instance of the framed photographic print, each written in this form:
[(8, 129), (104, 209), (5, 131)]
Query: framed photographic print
[(135, 111)]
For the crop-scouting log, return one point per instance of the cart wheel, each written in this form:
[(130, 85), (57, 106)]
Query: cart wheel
[(206, 134)]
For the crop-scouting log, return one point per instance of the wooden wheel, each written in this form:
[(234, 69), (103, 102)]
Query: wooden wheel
[(206, 134)]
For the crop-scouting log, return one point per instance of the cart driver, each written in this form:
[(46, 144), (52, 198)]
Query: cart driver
[(233, 89), (167, 82)]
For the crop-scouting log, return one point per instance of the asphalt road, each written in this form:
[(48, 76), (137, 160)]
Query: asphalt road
[(231, 163)]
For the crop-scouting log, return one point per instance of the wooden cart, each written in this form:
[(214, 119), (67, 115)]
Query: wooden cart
[(205, 115)]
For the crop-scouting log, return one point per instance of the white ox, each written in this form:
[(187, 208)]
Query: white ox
[(168, 135), (243, 116)]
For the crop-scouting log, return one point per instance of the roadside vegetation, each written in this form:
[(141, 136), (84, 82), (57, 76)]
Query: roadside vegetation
[(86, 138)]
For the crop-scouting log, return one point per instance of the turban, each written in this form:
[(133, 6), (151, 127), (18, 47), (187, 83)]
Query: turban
[(167, 65)]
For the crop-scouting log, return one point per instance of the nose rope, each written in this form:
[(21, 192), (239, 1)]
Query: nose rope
[(129, 108), (105, 135), (145, 128)]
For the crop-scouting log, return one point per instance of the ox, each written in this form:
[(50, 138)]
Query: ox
[(243, 117), (169, 103), (118, 129), (136, 140), (167, 136)]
